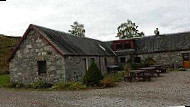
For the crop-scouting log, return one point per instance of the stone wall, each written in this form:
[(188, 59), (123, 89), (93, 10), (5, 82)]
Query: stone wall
[(165, 58), (75, 66), (23, 67)]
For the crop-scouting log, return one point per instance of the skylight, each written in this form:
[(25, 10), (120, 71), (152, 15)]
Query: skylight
[(101, 47)]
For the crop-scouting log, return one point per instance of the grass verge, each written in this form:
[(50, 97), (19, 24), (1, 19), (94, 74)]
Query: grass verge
[(4, 79)]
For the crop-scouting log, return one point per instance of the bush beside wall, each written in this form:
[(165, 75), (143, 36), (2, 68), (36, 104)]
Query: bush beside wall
[(93, 76)]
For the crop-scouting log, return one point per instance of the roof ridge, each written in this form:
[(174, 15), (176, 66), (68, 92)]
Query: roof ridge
[(64, 32)]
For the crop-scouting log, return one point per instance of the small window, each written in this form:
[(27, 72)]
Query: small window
[(42, 67), (122, 60), (119, 46), (127, 45), (137, 59), (85, 64), (92, 60), (105, 61), (101, 47), (186, 57)]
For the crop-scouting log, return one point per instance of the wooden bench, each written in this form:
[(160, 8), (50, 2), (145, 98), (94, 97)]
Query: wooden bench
[(140, 74), (161, 68), (145, 77)]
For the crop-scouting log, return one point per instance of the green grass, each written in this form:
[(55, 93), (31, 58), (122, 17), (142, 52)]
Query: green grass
[(4, 79)]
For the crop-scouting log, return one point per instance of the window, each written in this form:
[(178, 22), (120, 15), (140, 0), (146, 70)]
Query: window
[(122, 60), (105, 61), (101, 47), (85, 64), (42, 67), (119, 46), (137, 59), (127, 45), (92, 60), (186, 57)]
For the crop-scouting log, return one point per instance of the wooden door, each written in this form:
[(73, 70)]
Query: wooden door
[(186, 62)]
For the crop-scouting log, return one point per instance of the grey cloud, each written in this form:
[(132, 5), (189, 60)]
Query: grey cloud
[(100, 17)]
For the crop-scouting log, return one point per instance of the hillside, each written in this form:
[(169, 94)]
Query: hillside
[(7, 44)]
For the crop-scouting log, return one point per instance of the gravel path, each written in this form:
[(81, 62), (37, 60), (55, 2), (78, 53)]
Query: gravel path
[(171, 89)]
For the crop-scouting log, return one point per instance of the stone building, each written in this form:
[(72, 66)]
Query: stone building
[(53, 56), (170, 49)]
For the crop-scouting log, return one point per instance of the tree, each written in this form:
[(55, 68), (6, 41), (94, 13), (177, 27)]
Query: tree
[(77, 29), (93, 75), (128, 30)]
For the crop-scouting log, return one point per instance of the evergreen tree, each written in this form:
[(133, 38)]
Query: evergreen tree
[(93, 75)]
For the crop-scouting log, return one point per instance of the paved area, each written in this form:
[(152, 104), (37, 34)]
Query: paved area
[(171, 89)]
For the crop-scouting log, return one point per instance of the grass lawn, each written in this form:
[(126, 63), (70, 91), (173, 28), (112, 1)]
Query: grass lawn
[(4, 79)]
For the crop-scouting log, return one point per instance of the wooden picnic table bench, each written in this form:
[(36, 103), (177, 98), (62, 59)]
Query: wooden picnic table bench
[(161, 68), (151, 70), (145, 76), (140, 74)]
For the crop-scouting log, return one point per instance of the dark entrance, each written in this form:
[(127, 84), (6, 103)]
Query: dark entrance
[(42, 69)]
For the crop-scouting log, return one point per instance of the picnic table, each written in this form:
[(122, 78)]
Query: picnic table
[(151, 70), (161, 68), (140, 74)]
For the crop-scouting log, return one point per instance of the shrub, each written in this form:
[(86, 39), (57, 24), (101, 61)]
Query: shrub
[(14, 85), (127, 70), (182, 69), (108, 82), (93, 75), (69, 86), (39, 84)]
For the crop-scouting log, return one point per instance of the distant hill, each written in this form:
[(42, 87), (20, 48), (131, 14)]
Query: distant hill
[(7, 44)]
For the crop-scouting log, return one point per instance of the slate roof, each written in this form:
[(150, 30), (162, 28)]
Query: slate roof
[(72, 45), (163, 43)]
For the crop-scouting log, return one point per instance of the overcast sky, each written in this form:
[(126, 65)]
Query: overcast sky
[(100, 17)]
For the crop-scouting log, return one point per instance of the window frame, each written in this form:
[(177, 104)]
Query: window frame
[(129, 45), (120, 46), (185, 56), (137, 59)]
